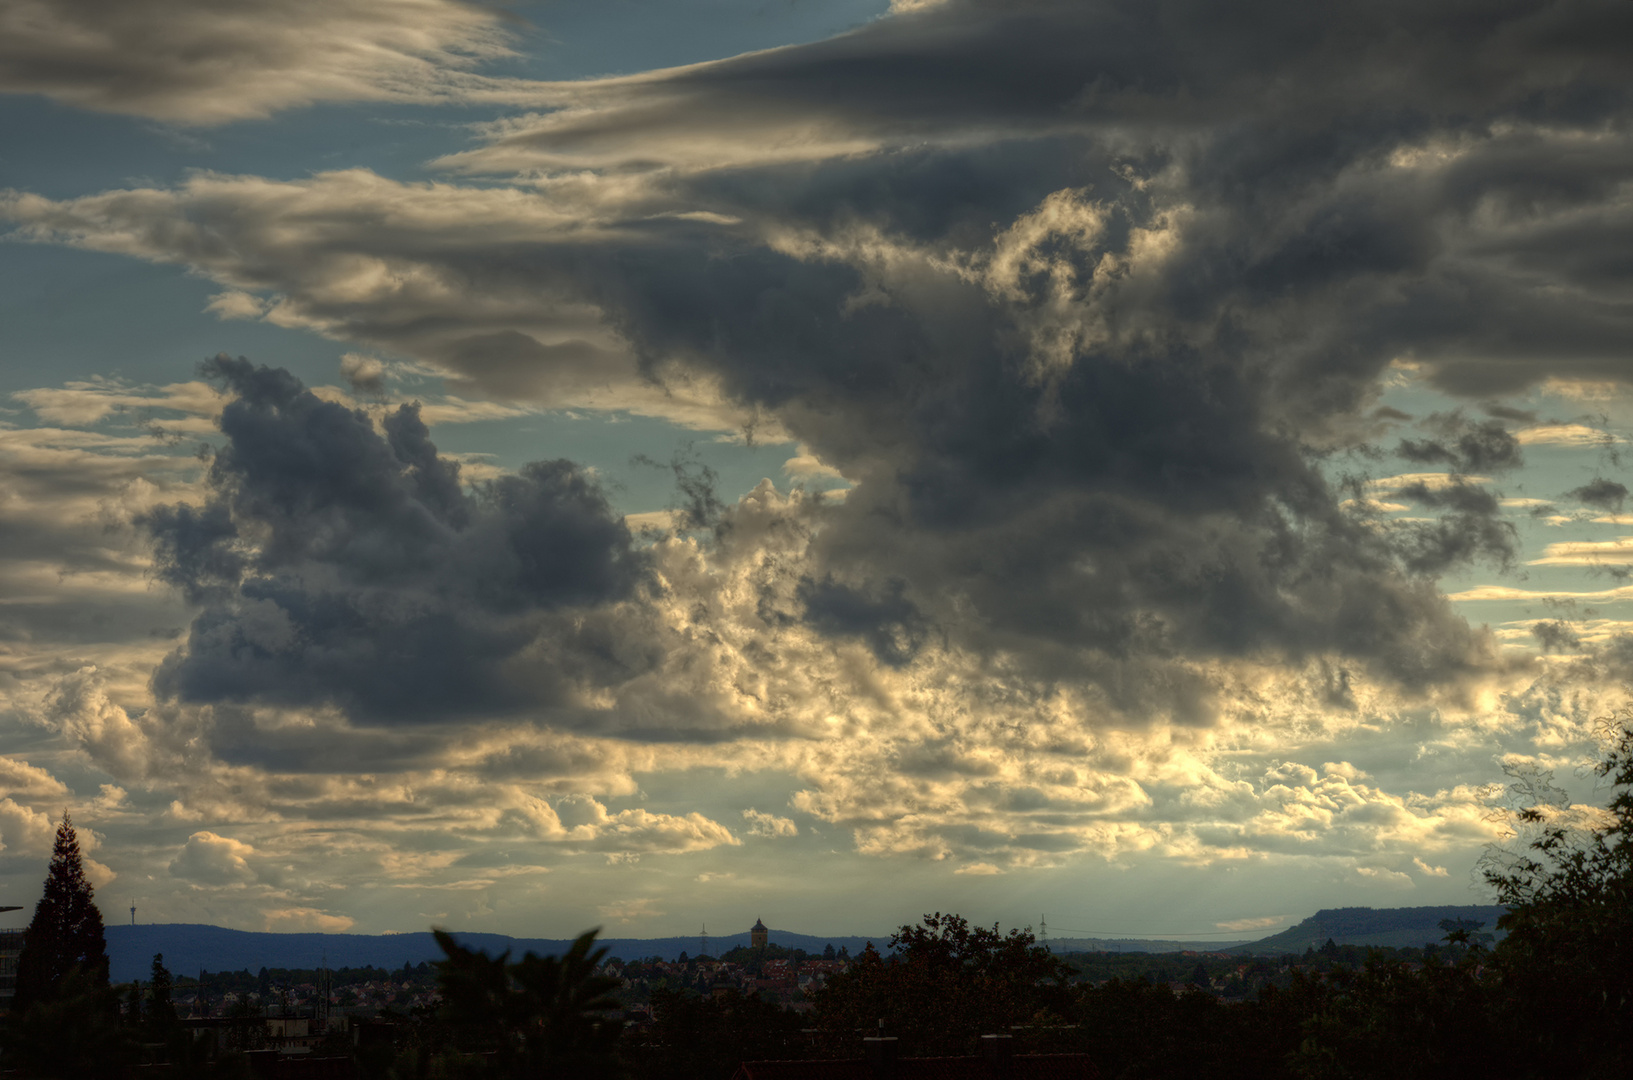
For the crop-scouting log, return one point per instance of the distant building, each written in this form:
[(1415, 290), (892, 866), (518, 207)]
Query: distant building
[(757, 935), (11, 947)]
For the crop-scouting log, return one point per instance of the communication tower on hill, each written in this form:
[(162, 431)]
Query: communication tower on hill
[(133, 914), (703, 941), (1043, 932)]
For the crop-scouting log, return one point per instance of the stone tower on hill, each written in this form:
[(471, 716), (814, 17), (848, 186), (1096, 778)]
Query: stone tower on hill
[(756, 935)]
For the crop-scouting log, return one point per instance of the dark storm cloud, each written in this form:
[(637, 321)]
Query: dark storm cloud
[(1337, 188), (1555, 636), (1080, 295), (339, 566), (1467, 447), (889, 623), (1458, 498), (1508, 412), (1600, 492), (1470, 529), (1147, 504), (1301, 134)]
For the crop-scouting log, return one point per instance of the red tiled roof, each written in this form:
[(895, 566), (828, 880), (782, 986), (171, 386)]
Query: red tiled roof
[(1021, 1067)]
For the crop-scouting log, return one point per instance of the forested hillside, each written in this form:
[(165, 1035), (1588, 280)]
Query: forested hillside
[(1400, 928)]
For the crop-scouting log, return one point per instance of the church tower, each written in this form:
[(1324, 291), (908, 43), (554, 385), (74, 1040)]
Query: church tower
[(756, 935)]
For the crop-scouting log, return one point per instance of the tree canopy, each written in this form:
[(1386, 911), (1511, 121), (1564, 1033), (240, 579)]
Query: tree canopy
[(537, 1014), (64, 1018), (1569, 951), (945, 984), (66, 932)]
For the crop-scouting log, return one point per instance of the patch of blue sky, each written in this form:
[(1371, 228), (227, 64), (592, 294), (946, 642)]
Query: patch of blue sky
[(68, 315), (1561, 455), (611, 443), (575, 39), (147, 324)]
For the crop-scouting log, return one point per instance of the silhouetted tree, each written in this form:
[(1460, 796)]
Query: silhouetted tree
[(66, 932), (706, 1038), (1391, 1020), (946, 985), (161, 1011), (543, 1016), (1567, 962), (71, 1034), (65, 1017)]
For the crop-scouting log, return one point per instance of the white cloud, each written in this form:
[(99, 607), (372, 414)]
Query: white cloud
[(235, 304), (653, 520), (769, 826), (1257, 922), (209, 859), (1578, 389), (1576, 435), (1587, 631), (20, 779), (366, 374), (1509, 592), (978, 869), (83, 403), (805, 465), (712, 875), (24, 830), (80, 708), (201, 62), (1383, 876), (631, 911), (384, 265), (308, 920), (1374, 506), (1433, 481), (1586, 553)]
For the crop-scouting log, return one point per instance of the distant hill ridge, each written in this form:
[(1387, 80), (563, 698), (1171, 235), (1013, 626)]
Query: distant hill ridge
[(187, 948), (1398, 928)]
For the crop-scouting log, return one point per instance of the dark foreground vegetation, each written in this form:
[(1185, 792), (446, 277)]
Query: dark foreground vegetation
[(1553, 999)]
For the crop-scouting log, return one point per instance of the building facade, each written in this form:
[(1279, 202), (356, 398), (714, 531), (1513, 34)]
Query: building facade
[(11, 947)]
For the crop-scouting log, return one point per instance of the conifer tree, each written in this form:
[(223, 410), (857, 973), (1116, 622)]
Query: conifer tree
[(67, 928), (161, 1010)]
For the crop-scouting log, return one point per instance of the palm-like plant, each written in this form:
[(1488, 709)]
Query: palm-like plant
[(540, 1016)]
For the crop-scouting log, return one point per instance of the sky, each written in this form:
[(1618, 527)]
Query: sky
[(1156, 466)]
